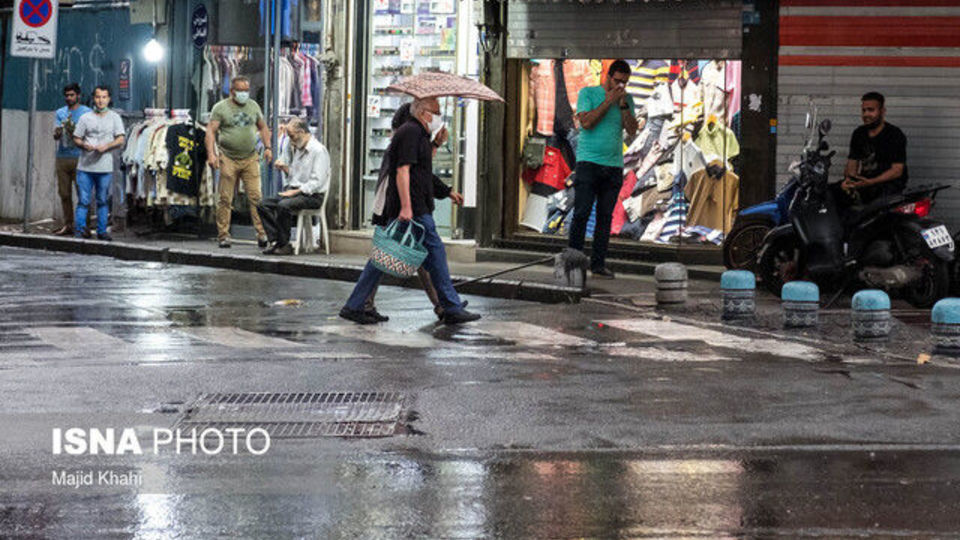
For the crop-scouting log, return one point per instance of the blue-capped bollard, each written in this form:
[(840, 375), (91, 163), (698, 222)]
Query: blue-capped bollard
[(671, 283), (801, 304), (871, 314), (946, 325), (738, 289)]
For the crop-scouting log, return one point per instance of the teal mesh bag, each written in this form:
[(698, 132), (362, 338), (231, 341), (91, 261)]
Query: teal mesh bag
[(398, 254)]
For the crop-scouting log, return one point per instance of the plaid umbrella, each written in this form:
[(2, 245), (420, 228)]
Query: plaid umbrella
[(436, 84)]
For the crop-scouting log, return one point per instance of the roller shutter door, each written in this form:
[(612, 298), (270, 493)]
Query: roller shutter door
[(909, 51), (624, 29)]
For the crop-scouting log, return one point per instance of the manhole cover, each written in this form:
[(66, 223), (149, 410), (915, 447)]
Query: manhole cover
[(299, 415)]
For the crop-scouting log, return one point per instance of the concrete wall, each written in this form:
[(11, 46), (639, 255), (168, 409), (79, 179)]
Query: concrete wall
[(44, 202)]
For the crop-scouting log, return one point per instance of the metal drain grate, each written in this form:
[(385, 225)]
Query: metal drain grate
[(299, 415)]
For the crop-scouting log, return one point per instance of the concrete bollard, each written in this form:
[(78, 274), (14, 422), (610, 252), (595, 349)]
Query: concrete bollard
[(871, 314), (570, 268), (945, 319), (738, 289), (801, 304), (671, 283)]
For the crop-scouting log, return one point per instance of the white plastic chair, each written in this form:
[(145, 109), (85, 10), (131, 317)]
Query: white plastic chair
[(305, 241)]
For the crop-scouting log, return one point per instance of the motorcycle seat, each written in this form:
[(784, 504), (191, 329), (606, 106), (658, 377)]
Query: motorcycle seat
[(858, 213)]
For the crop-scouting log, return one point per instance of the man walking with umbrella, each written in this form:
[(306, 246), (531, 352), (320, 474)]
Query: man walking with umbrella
[(410, 196)]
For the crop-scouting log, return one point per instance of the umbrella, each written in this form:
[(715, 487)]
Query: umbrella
[(433, 84)]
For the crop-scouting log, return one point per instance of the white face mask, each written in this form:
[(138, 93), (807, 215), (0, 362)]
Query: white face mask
[(436, 122), (241, 97)]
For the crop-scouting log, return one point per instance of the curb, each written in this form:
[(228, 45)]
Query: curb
[(493, 288)]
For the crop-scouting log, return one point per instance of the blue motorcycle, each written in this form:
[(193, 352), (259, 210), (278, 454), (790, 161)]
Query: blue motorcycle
[(742, 244)]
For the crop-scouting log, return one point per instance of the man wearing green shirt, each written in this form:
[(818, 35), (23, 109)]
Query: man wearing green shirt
[(237, 120), (604, 112)]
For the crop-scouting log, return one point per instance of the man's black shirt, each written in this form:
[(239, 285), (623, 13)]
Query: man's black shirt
[(876, 155), (410, 145)]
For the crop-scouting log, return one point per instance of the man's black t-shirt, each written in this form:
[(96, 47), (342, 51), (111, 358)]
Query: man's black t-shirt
[(876, 155), (411, 146)]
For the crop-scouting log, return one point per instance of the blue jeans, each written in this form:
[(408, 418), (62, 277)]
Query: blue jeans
[(435, 264), (86, 183)]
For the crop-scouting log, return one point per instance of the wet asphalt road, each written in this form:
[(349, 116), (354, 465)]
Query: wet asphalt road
[(539, 422)]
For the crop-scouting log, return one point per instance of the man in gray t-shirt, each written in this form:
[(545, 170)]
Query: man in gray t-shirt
[(97, 134)]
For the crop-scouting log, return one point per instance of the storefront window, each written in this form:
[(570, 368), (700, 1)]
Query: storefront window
[(680, 184), (408, 37)]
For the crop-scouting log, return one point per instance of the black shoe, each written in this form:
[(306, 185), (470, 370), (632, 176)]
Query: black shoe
[(460, 317), (225, 243), (376, 315), (439, 310), (604, 273), (105, 237), (87, 234), (285, 249), (358, 317), (262, 243)]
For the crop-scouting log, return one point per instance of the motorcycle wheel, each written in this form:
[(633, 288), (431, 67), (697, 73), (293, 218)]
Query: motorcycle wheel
[(781, 263), (742, 244), (934, 285)]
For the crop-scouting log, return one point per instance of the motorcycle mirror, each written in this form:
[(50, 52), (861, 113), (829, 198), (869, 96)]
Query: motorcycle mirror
[(824, 145), (825, 126)]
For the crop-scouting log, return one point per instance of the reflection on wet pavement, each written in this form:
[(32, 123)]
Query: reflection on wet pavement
[(528, 495)]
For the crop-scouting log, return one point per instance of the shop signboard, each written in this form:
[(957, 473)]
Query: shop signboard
[(123, 82), (200, 24)]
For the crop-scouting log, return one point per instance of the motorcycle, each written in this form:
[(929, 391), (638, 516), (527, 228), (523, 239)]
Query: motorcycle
[(890, 243), (743, 242)]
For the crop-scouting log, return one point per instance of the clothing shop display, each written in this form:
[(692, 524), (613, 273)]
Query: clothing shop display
[(689, 112), (161, 169)]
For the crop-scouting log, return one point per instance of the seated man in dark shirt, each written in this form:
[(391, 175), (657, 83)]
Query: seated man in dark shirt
[(410, 196), (877, 163)]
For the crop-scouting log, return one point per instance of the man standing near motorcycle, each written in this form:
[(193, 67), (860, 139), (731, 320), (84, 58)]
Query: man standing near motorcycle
[(877, 163)]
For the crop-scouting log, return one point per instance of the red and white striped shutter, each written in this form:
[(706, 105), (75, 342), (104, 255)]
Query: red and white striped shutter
[(908, 50)]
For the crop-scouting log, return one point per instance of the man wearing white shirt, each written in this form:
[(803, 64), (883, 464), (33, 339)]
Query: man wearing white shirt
[(307, 166)]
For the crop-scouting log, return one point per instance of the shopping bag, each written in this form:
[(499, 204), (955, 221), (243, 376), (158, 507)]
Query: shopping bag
[(398, 254)]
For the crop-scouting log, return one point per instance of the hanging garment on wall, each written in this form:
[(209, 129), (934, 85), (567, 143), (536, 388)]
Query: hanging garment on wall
[(716, 92), (660, 103), (687, 101), (644, 76), (188, 159), (734, 88), (714, 200), (553, 172), (619, 212), (684, 69), (543, 85), (675, 218), (718, 142)]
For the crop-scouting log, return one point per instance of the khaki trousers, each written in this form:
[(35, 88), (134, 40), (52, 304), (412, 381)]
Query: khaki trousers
[(247, 171), (66, 178)]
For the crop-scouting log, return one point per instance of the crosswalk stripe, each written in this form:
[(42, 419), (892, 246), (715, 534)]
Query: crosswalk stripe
[(72, 338), (412, 339), (672, 331), (237, 338), (529, 335)]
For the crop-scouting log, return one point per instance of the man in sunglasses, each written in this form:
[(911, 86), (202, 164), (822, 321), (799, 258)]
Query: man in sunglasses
[(604, 112)]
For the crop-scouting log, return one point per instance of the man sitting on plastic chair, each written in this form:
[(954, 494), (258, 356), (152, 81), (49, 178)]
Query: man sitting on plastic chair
[(307, 166)]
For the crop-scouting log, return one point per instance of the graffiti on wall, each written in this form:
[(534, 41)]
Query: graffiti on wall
[(74, 64)]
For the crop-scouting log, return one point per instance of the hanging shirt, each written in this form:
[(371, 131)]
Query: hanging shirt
[(718, 141), (576, 74), (67, 120), (715, 91), (645, 75), (713, 201), (188, 159)]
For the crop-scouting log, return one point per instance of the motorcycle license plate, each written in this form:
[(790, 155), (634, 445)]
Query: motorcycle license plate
[(937, 237)]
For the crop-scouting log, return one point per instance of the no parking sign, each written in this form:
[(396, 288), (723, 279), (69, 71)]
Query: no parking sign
[(34, 29)]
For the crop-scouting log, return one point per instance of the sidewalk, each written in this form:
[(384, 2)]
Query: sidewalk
[(535, 283)]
